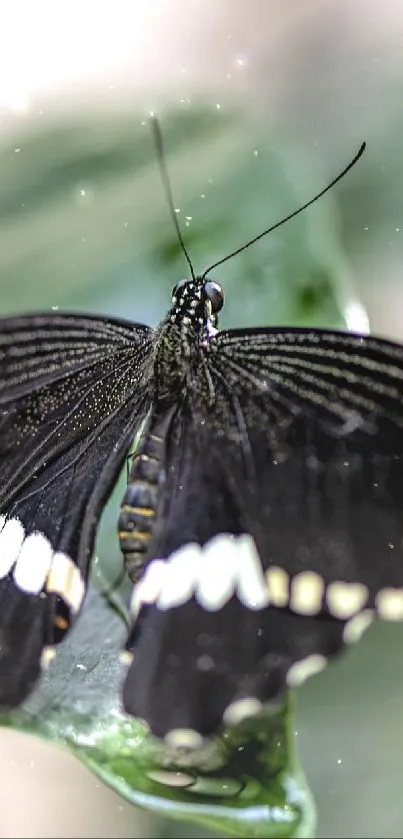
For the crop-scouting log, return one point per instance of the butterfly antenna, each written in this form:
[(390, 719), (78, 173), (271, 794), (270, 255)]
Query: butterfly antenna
[(291, 215), (159, 145)]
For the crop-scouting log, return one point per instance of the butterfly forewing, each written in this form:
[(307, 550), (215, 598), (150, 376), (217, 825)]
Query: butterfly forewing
[(327, 462), (72, 394)]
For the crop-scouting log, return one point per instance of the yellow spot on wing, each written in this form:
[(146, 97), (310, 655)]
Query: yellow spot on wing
[(65, 580), (306, 593), (346, 599), (277, 584), (389, 604), (60, 622)]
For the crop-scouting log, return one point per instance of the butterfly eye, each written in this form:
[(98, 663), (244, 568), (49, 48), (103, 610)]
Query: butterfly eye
[(215, 295), (178, 287)]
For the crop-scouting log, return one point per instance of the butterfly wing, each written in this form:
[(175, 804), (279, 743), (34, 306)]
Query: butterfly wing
[(322, 414), (72, 393), (303, 453)]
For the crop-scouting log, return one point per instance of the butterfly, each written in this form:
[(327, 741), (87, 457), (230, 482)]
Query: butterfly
[(262, 521)]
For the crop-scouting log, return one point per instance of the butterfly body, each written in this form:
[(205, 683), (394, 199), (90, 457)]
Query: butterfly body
[(141, 499), (182, 344)]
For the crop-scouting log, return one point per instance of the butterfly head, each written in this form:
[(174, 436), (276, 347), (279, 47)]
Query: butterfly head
[(197, 302)]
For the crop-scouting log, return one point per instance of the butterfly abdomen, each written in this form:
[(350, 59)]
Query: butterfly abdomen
[(139, 505)]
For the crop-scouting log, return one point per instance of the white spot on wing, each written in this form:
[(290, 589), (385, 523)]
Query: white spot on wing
[(11, 539), (251, 586), (230, 564), (76, 589), (306, 593), (345, 599), (277, 585), (355, 628), (241, 709), (33, 563), (48, 654), (213, 574), (389, 604), (178, 582), (217, 573), (303, 670), (125, 658), (149, 588), (65, 579)]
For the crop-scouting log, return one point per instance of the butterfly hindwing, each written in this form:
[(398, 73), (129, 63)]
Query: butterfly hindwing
[(199, 655), (71, 398), (280, 525)]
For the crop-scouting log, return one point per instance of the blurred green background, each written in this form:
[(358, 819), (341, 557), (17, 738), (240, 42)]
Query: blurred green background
[(261, 104)]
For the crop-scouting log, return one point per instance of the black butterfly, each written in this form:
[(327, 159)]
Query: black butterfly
[(262, 522)]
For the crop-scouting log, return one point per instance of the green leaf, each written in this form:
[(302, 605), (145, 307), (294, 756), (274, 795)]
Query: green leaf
[(245, 783)]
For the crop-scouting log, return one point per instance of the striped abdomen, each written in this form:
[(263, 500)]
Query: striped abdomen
[(140, 501)]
